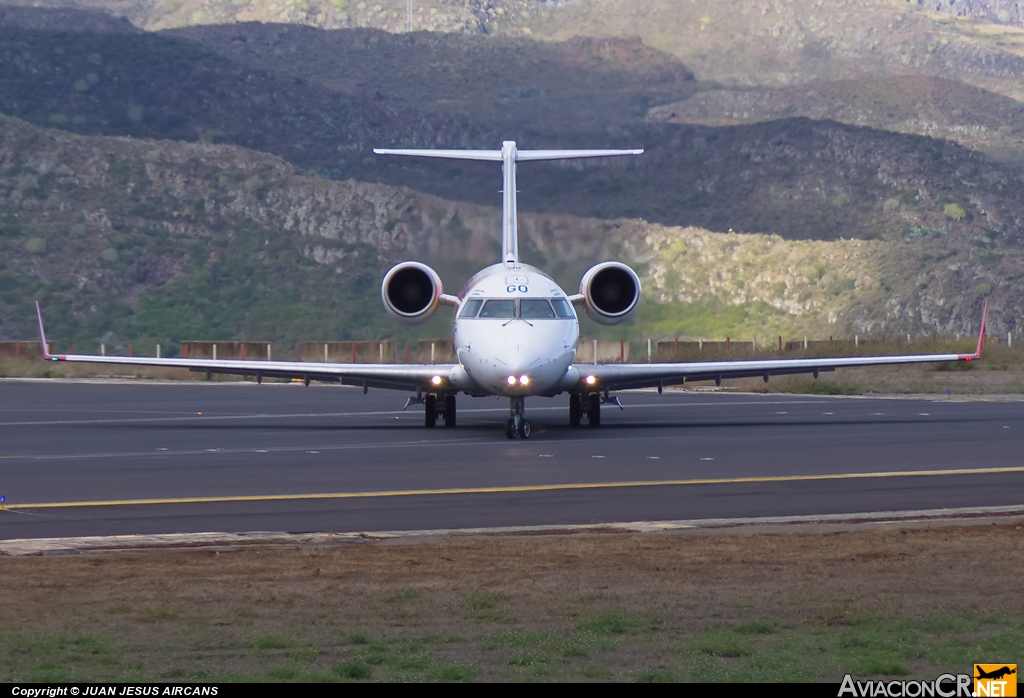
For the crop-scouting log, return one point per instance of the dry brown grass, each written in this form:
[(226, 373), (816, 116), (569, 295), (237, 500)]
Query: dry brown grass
[(607, 605)]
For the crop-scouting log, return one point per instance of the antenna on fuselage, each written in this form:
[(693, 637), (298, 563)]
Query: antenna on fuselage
[(509, 155)]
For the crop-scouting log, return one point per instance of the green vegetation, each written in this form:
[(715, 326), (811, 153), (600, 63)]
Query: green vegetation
[(605, 647)]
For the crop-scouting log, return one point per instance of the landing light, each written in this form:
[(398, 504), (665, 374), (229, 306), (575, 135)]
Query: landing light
[(591, 380), (511, 380), (436, 380), (524, 380)]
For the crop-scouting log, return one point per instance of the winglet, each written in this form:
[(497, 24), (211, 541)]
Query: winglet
[(981, 337), (42, 335)]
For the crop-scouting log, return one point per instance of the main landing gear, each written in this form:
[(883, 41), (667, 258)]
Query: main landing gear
[(517, 423), (435, 406), (589, 405)]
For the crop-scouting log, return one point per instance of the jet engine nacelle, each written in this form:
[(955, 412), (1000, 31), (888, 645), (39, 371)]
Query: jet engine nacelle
[(611, 292), (411, 291)]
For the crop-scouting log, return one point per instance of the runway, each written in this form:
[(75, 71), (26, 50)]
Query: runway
[(104, 458)]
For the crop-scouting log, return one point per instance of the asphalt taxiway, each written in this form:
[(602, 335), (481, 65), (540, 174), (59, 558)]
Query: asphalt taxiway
[(81, 458)]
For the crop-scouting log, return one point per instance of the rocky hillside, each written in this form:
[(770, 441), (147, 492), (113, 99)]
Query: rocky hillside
[(998, 11), (928, 106), (215, 179), (739, 42), (130, 240), (798, 178)]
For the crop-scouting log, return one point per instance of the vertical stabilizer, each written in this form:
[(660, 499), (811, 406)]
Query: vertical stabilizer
[(509, 208), (509, 155)]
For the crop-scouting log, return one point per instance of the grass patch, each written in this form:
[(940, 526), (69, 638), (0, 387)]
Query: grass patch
[(159, 615), (357, 671), (267, 642), (516, 638), (609, 624), (484, 605), (409, 595)]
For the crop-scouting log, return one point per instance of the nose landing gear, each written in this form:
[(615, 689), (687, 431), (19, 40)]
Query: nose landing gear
[(517, 423)]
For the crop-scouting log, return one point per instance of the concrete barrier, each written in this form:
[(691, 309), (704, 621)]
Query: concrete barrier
[(227, 350), (24, 350), (435, 351), (349, 352), (607, 351)]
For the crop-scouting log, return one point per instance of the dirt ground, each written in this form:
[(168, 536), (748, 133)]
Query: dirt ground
[(791, 604)]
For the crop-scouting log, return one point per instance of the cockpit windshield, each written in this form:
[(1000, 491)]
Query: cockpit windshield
[(499, 309), (533, 308), (522, 308), (471, 307)]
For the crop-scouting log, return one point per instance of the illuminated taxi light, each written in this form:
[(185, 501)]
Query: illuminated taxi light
[(436, 380), (511, 380), (591, 380), (524, 380)]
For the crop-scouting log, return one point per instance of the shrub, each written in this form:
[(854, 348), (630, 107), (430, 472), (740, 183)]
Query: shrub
[(35, 245), (954, 212), (890, 205)]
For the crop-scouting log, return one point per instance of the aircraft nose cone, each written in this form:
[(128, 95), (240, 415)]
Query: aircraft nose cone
[(518, 359)]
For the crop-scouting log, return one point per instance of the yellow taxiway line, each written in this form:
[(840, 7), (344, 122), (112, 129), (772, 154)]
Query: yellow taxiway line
[(517, 488)]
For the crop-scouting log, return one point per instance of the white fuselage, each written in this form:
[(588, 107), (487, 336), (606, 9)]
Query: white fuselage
[(514, 322)]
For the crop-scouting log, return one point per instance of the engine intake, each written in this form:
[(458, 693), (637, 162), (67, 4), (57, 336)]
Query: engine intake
[(611, 292), (411, 291)]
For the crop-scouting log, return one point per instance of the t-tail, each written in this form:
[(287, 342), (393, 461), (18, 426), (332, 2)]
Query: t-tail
[(508, 156)]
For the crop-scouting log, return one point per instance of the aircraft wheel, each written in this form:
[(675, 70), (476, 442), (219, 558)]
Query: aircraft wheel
[(524, 429), (510, 428), (595, 410), (430, 411), (449, 411), (574, 410)]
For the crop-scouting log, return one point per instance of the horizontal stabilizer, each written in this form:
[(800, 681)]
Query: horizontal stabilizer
[(520, 155), (523, 155), (493, 155)]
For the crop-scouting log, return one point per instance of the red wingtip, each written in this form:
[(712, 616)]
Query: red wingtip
[(42, 333), (981, 335)]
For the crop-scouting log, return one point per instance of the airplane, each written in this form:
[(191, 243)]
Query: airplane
[(515, 331), (994, 674)]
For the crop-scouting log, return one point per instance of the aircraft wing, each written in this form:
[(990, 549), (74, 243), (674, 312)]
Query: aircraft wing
[(386, 376), (648, 375)]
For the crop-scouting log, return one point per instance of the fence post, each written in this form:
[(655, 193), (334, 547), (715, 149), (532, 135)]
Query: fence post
[(269, 358), (780, 342), (805, 342), (381, 347), (325, 352), (648, 351), (243, 349), (214, 352), (103, 350), (700, 344), (856, 341), (727, 343), (595, 352), (622, 350)]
